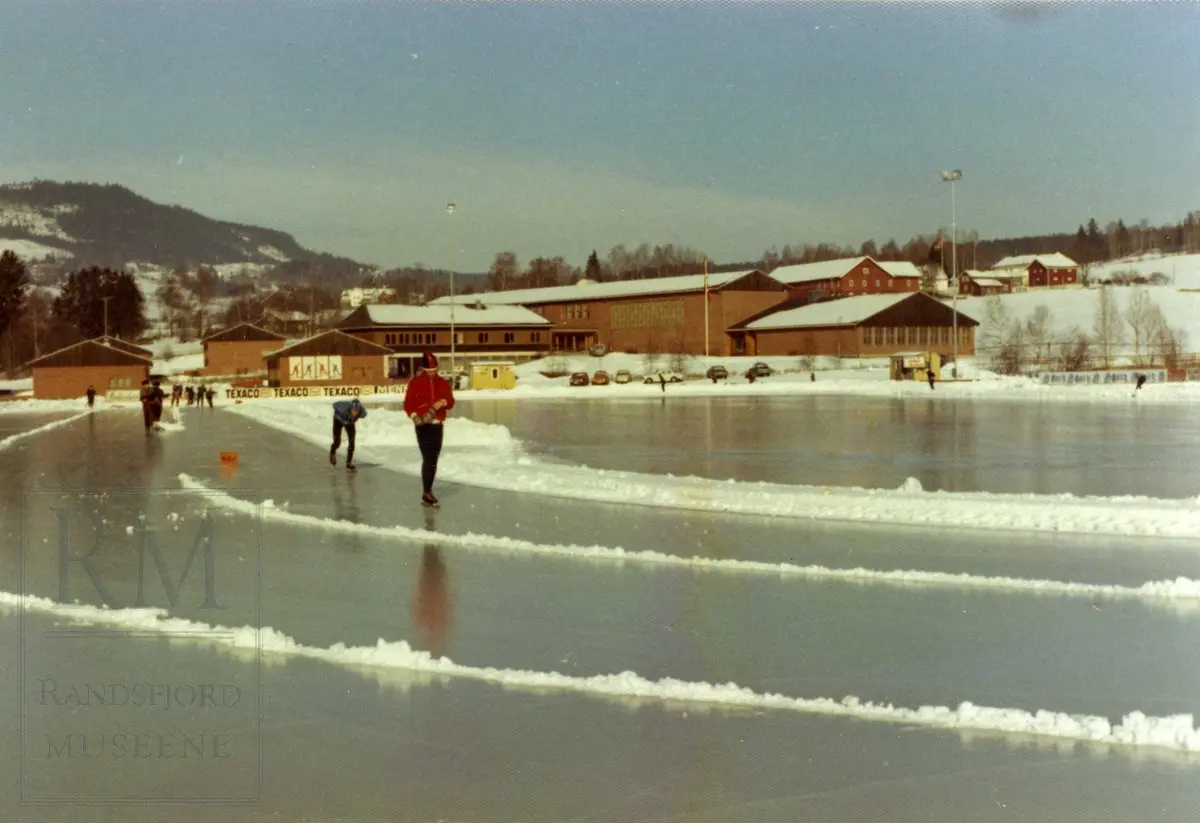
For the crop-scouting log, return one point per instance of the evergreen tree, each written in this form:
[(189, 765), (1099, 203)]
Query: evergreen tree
[(81, 303), (593, 271), (13, 280)]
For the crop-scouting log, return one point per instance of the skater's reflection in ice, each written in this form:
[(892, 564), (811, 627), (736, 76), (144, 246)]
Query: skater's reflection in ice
[(431, 611), (345, 507)]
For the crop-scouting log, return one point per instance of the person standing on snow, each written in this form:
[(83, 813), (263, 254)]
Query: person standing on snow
[(345, 414), (427, 398), (91, 396), (929, 372)]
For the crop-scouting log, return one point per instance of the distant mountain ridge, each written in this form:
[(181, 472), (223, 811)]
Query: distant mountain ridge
[(109, 225)]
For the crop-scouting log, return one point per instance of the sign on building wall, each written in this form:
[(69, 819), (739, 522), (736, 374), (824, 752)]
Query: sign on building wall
[(323, 367)]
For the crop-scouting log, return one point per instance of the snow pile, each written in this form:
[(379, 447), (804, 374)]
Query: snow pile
[(1161, 592), (13, 439), (1136, 729), (311, 420), (487, 456)]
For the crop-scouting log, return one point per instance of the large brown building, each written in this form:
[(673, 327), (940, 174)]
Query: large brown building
[(848, 277), (106, 363), (239, 350), (482, 332), (665, 314), (876, 325), (332, 358)]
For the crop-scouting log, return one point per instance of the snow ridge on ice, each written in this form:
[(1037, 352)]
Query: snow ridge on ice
[(1136, 729)]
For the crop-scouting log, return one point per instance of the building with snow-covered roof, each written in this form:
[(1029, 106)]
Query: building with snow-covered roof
[(1037, 271), (239, 350), (848, 277), (481, 330), (872, 325), (106, 363), (980, 284), (665, 314)]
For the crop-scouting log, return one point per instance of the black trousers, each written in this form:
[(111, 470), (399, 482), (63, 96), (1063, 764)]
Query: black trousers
[(429, 439), (338, 426)]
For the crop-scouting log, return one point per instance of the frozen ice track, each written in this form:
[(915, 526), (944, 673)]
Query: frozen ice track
[(1179, 592)]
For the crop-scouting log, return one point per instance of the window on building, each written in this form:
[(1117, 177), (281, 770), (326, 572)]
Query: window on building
[(876, 284), (739, 344), (460, 338), (535, 337), (483, 337), (866, 336), (879, 335), (866, 270), (431, 338), (510, 337)]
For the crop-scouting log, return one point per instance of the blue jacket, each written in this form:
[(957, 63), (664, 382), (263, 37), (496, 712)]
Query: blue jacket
[(341, 411)]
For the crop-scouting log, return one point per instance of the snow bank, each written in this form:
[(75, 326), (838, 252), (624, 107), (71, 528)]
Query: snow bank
[(1163, 591), (311, 420), (495, 460), (1136, 729)]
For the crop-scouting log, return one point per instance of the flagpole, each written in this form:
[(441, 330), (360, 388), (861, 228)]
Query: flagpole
[(706, 314)]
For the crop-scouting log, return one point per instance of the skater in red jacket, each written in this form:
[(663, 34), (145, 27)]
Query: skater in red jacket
[(426, 400)]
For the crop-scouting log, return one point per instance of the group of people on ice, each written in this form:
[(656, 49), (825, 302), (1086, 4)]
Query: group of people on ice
[(427, 398), (194, 395)]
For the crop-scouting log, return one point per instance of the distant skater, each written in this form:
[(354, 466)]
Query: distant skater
[(1141, 381), (427, 398), (208, 393), (346, 413), (662, 382), (930, 373), (147, 410), (91, 396)]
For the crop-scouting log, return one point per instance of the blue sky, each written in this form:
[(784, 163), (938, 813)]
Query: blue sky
[(559, 127)]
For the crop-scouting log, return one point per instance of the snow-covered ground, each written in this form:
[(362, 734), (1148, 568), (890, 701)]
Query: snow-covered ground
[(1181, 270), (30, 251)]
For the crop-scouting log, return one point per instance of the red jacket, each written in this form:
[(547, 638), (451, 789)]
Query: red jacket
[(426, 389)]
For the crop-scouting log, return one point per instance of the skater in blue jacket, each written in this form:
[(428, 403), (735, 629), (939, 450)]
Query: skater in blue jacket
[(345, 414)]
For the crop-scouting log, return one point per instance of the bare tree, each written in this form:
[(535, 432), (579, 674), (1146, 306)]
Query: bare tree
[(504, 271), (1108, 326), (1010, 357), (1166, 342), (1037, 332), (1075, 353), (1140, 313), (997, 322)]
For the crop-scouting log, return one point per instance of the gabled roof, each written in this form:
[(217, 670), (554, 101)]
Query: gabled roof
[(1056, 260), (845, 311), (242, 333), (681, 284), (836, 269), (438, 316), (97, 352), (334, 341)]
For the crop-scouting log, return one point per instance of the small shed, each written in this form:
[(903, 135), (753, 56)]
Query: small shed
[(915, 365), (493, 375)]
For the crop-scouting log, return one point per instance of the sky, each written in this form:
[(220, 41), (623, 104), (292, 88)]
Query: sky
[(561, 127)]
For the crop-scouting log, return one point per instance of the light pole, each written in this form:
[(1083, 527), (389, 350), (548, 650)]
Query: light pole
[(106, 299), (450, 208), (951, 177)]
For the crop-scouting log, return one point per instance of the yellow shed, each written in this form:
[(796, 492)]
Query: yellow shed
[(493, 376), (912, 365)]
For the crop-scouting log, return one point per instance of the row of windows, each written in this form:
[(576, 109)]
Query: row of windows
[(411, 338), (911, 335), (577, 311), (430, 338), (648, 315), (892, 283), (120, 383)]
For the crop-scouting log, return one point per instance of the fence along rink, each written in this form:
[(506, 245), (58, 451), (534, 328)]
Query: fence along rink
[(1063, 378)]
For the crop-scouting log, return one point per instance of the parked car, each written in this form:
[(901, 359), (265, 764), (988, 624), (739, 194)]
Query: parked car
[(761, 370), (716, 373), (600, 378), (671, 377), (579, 378), (623, 376)]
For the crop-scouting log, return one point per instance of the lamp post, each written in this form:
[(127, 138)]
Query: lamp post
[(952, 177), (450, 208), (106, 299)]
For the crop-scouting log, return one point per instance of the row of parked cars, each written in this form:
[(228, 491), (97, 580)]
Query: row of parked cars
[(714, 373)]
